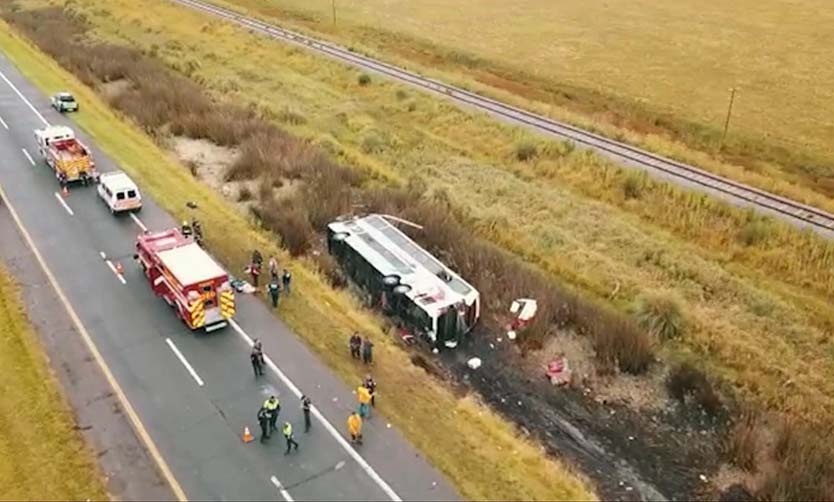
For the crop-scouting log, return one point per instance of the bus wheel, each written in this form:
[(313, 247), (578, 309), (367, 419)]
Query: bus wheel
[(391, 280), (401, 289)]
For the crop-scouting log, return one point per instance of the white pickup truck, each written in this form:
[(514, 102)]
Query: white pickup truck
[(64, 102)]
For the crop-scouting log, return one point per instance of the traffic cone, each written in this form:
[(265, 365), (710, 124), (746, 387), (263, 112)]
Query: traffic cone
[(65, 192), (119, 269), (247, 436)]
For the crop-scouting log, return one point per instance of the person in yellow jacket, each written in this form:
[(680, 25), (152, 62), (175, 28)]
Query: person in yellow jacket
[(289, 437), (273, 407), (354, 424), (364, 397)]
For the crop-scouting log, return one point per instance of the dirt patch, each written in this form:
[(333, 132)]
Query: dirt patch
[(115, 88), (209, 163)]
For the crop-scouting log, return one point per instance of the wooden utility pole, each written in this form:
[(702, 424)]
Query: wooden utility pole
[(729, 113)]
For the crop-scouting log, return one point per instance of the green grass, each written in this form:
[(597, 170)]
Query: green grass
[(749, 302), (475, 439), (42, 456), (654, 73)]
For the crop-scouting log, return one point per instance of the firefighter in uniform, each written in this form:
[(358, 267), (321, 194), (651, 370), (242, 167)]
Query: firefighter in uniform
[(273, 407), (289, 437), (354, 424), (186, 229), (274, 292)]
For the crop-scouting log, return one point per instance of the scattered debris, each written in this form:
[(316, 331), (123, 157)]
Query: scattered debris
[(511, 334), (474, 363), (558, 371), (703, 478)]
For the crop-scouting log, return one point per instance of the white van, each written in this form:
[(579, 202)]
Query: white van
[(119, 192)]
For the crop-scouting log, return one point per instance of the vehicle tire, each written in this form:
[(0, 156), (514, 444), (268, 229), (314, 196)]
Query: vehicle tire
[(391, 280), (401, 289), (340, 236)]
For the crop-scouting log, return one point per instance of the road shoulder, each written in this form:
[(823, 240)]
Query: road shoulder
[(130, 473)]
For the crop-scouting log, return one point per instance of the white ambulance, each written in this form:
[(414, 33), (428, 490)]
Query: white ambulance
[(119, 192)]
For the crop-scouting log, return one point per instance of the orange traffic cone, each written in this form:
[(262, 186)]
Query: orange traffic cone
[(247, 436), (119, 269), (65, 191)]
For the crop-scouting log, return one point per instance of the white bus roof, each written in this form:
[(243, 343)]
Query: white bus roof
[(391, 252), (190, 264), (117, 181)]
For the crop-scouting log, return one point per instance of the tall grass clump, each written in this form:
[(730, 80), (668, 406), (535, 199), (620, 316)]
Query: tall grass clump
[(804, 464), (687, 383), (661, 313)]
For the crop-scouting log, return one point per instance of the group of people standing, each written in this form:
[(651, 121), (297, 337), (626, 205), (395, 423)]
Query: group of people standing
[(361, 348), (278, 280)]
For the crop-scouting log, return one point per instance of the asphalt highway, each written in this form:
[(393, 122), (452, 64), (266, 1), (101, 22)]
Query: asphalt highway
[(190, 394)]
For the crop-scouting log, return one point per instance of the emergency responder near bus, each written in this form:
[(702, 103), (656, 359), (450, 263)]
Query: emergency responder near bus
[(257, 361), (273, 268), (186, 229), (364, 398), (354, 424), (274, 291), (289, 437), (263, 421), (370, 384), (286, 278), (355, 345), (305, 408), (274, 408)]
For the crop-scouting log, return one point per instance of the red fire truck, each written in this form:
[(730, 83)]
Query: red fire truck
[(187, 278)]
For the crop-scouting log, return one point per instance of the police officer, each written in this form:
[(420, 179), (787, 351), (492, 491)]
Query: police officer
[(305, 407), (257, 362), (186, 229), (274, 291), (289, 437), (263, 421), (370, 384), (273, 408)]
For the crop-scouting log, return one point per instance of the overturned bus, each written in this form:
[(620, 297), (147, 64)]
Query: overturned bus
[(404, 279)]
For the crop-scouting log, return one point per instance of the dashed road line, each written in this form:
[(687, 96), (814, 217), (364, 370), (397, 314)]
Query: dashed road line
[(21, 96), (64, 203), (28, 157), (284, 493), (184, 362), (138, 426), (138, 222), (366, 467)]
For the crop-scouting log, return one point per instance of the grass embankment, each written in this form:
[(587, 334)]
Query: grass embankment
[(475, 439), (588, 64), (42, 456), (752, 290)]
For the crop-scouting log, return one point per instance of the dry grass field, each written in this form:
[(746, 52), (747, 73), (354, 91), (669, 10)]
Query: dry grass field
[(754, 294), (324, 318), (654, 73), (42, 457)]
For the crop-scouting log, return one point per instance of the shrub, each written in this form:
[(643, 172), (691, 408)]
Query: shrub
[(245, 194), (401, 94), (330, 269), (618, 343), (364, 79), (292, 117), (661, 314), (754, 232), (372, 142), (685, 381), (633, 185), (525, 151), (741, 443), (805, 465), (289, 220)]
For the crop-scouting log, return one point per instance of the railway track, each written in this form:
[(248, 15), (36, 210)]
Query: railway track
[(792, 211)]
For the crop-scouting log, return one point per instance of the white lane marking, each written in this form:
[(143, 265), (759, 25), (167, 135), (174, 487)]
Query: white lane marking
[(28, 157), (4, 123), (184, 362), (138, 222), (116, 272), (64, 203), (284, 493), (21, 96), (321, 418), (135, 421)]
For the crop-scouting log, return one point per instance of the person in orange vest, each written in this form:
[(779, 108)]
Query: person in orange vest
[(364, 397), (354, 424)]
